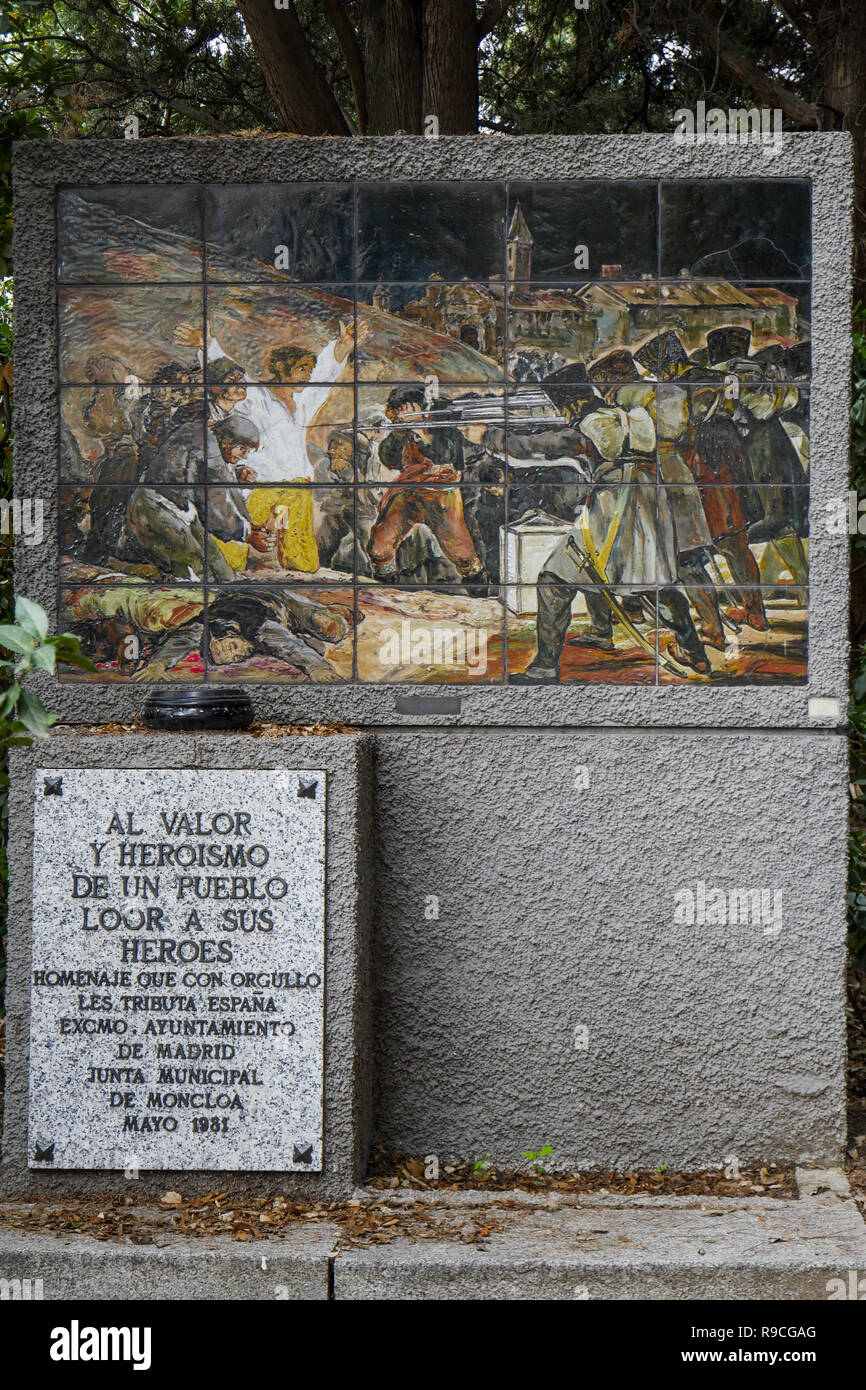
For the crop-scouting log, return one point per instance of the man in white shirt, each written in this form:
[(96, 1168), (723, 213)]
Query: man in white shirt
[(282, 418), (281, 421)]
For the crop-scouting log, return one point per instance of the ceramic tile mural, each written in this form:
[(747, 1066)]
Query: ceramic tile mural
[(464, 433)]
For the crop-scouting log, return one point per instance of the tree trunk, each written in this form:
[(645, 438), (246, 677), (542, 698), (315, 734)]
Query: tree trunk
[(451, 65), (843, 75), (392, 40), (411, 59), (295, 81)]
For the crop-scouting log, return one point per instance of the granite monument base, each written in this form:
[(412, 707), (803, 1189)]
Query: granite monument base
[(189, 980)]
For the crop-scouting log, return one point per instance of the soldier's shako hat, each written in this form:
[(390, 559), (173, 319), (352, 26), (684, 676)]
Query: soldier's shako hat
[(723, 344), (698, 368), (615, 366), (570, 387), (773, 355), (798, 359), (663, 355), (573, 372), (697, 372)]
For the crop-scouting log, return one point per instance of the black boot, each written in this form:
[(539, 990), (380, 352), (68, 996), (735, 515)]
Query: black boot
[(552, 624)]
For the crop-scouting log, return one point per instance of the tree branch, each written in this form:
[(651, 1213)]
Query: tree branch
[(143, 87), (348, 41), (802, 113), (799, 20), (493, 12), (183, 108)]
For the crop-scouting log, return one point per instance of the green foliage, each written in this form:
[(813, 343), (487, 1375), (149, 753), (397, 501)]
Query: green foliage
[(5, 318), (536, 1159), (188, 67), (180, 66), (550, 67), (858, 400), (22, 714)]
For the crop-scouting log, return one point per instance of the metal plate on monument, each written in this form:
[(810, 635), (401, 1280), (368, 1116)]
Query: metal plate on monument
[(177, 988)]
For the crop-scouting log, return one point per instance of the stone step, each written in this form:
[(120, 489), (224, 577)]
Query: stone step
[(489, 1246), (598, 1247), (177, 1268)]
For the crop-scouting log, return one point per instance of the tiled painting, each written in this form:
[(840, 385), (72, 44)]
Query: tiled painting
[(446, 433)]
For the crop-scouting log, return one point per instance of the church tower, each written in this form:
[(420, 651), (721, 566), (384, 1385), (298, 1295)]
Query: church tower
[(519, 248)]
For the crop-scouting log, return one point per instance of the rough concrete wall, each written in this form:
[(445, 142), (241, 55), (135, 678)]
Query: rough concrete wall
[(556, 909), (556, 905)]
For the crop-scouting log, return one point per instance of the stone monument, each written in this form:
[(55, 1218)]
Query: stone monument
[(288, 402)]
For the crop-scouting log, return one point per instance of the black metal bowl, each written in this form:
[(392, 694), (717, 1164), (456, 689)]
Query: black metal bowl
[(205, 708)]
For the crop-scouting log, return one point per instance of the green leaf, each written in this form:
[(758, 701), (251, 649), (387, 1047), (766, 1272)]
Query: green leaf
[(10, 699), (45, 657), (68, 650), (33, 714), (76, 659), (32, 617), (14, 639)]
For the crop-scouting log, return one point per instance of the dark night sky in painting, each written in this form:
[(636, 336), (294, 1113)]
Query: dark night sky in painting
[(743, 229), (616, 222), (408, 231), (314, 222)]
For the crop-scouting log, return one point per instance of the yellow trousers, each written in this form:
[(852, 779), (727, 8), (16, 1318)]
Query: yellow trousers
[(296, 543)]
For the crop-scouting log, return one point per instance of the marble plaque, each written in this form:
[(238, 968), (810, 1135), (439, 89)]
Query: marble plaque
[(177, 987)]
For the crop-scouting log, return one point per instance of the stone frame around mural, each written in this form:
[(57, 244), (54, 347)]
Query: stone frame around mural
[(824, 160)]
